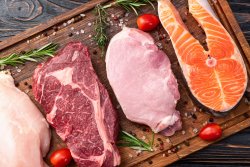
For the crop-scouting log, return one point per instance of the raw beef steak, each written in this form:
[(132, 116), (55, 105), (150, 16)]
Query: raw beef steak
[(78, 106)]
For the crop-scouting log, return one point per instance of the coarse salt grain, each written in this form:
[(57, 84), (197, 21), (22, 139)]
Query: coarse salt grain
[(64, 24), (28, 41), (69, 22), (77, 33), (204, 123), (72, 28), (143, 137), (118, 106), (82, 31), (163, 155), (130, 155), (169, 151), (18, 70), (82, 15), (89, 24), (195, 130), (168, 140), (54, 33), (90, 36), (183, 132), (138, 151), (186, 114)]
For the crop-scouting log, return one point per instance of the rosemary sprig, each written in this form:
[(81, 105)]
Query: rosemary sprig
[(101, 37), (33, 55), (131, 4), (100, 30), (128, 140)]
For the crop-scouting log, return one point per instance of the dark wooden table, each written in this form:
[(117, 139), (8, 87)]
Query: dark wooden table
[(18, 15)]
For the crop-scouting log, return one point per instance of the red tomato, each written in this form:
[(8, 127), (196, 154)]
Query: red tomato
[(147, 22), (61, 157), (210, 132)]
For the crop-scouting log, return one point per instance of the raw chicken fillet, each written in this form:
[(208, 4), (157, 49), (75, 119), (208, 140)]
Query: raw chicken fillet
[(141, 77), (217, 78), (25, 133)]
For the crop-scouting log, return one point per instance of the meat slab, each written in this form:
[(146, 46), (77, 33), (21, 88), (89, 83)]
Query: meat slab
[(25, 133), (78, 106), (141, 77)]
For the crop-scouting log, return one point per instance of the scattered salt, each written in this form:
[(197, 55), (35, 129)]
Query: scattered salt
[(167, 140), (77, 33), (183, 132), (195, 130), (82, 15), (89, 24), (130, 155), (143, 137), (118, 106), (72, 28), (163, 155), (18, 70), (82, 31), (69, 22), (64, 24)]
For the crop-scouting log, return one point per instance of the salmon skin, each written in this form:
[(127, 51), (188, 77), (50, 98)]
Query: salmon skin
[(217, 78)]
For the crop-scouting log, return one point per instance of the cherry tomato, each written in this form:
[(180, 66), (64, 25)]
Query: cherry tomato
[(61, 157), (147, 22), (210, 132)]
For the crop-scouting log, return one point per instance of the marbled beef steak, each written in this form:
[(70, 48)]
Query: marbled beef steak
[(78, 106)]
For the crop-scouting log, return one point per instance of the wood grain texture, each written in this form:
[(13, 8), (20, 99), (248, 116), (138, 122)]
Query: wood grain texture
[(17, 15)]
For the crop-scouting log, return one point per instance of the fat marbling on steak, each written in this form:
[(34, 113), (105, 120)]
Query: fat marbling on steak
[(78, 106), (141, 77)]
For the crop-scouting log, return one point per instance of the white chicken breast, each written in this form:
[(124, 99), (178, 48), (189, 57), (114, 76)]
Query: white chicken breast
[(25, 133)]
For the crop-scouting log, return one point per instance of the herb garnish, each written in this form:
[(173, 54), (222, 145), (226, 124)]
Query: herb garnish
[(101, 37), (33, 55), (128, 140)]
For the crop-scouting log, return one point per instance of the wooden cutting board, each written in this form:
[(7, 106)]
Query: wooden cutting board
[(71, 25)]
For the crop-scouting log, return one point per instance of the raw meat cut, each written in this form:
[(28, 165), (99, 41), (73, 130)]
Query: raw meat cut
[(78, 106), (217, 78), (25, 133), (141, 77)]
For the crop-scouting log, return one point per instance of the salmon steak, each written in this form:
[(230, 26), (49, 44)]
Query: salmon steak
[(217, 77)]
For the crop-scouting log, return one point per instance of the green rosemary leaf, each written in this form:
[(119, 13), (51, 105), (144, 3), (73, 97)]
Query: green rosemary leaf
[(128, 140), (33, 55)]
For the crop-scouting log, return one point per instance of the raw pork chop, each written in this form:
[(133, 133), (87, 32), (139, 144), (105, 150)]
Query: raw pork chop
[(25, 133), (143, 82), (78, 106), (217, 78)]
